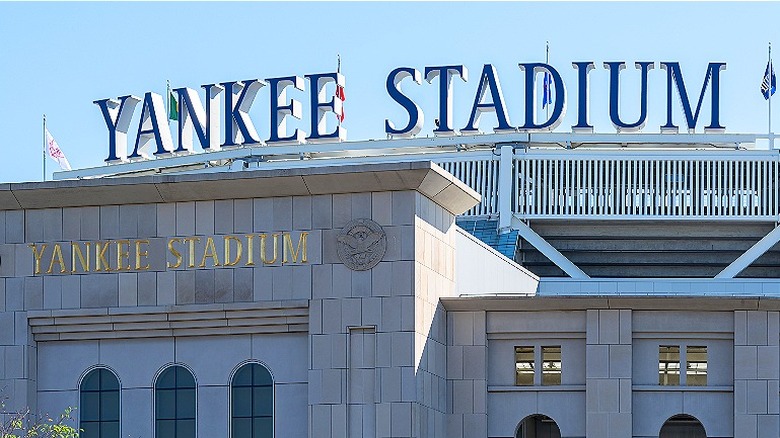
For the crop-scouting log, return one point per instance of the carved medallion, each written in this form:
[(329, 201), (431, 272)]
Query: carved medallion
[(362, 244)]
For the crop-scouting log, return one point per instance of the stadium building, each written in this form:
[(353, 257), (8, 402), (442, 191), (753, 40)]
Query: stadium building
[(506, 285)]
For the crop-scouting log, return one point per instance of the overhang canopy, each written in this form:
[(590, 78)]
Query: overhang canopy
[(423, 176)]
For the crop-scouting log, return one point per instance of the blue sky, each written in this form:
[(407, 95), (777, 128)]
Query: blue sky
[(57, 58)]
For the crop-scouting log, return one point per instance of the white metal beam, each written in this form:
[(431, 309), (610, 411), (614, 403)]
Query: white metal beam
[(750, 256), (548, 250), (381, 146), (505, 182)]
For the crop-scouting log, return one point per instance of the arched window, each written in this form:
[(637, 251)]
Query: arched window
[(682, 426), (252, 402), (538, 426), (174, 404), (99, 410)]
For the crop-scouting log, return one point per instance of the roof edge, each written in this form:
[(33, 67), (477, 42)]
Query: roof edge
[(423, 176)]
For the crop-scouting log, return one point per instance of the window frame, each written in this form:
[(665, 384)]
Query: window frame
[(689, 372), (538, 362), (231, 380), (155, 397), (683, 362), (552, 371), (532, 362), (83, 378), (663, 377)]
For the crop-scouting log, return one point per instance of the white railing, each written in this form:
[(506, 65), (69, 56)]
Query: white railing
[(727, 185), (536, 176), (657, 185), (480, 172)]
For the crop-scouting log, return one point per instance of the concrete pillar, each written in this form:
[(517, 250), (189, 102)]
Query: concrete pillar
[(756, 374), (608, 374), (378, 337), (467, 375)]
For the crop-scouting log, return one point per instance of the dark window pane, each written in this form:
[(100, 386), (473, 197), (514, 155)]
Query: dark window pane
[(242, 428), (167, 380), (263, 401), (109, 406), (243, 376), (264, 427), (90, 406), (185, 429), (166, 429), (185, 403), (252, 402), (91, 382), (261, 375), (91, 429), (165, 404), (242, 402), (108, 381), (184, 378), (99, 405), (109, 430)]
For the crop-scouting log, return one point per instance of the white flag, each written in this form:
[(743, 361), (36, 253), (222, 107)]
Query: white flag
[(55, 152)]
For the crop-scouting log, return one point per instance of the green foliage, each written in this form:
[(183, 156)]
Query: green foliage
[(23, 424)]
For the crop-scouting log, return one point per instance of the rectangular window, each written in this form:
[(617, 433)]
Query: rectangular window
[(524, 365), (669, 365), (551, 365), (696, 365)]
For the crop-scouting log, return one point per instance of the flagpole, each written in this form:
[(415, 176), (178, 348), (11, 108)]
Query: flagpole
[(168, 101), (771, 72), (338, 71), (547, 61), (44, 147)]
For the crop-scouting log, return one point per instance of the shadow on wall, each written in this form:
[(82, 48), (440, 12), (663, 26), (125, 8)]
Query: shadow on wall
[(430, 375)]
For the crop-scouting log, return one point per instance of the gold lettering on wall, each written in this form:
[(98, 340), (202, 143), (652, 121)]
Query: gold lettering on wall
[(101, 261), (140, 254), (122, 255), (210, 251), (191, 241), (37, 256), (174, 252), (299, 250), (263, 255), (56, 257), (250, 253), (232, 261), (76, 254)]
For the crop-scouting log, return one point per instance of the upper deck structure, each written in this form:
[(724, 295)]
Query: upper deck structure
[(583, 205)]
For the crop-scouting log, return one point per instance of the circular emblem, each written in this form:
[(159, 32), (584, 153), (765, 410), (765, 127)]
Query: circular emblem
[(362, 244)]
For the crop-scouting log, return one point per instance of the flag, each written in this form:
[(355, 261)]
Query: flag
[(55, 152), (769, 82), (547, 89), (340, 97), (173, 107)]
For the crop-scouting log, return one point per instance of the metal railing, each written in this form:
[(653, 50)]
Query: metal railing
[(657, 185), (546, 175), (479, 170)]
